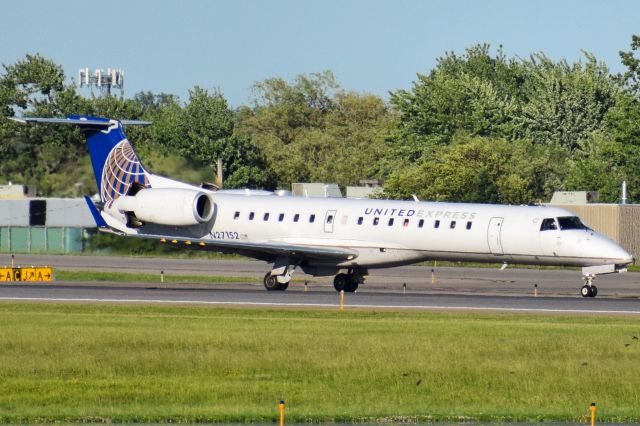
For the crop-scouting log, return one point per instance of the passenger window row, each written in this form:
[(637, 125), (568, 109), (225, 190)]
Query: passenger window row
[(405, 223), (360, 221), (265, 217)]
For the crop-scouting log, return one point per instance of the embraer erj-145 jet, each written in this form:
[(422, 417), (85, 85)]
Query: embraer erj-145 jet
[(328, 236)]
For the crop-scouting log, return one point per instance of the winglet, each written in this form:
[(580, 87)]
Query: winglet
[(100, 223)]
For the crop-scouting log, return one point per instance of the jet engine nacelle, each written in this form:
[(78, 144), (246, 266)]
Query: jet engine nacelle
[(167, 206)]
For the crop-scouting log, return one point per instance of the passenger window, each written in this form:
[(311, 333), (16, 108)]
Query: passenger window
[(330, 219), (376, 220), (391, 222), (251, 215), (296, 217), (266, 216), (405, 223), (548, 224), (421, 223), (469, 225), (360, 220), (236, 216), (281, 217), (312, 218), (436, 224), (452, 225)]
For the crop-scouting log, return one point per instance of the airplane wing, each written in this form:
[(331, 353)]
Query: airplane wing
[(262, 250), (256, 249)]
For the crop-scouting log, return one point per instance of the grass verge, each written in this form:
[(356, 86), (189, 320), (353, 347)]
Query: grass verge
[(167, 364), (63, 275)]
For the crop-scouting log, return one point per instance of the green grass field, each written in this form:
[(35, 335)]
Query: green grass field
[(64, 275), (76, 362)]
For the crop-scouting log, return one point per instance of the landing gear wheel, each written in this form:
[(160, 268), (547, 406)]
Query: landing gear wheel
[(585, 291), (283, 287), (271, 282), (346, 282), (352, 285), (341, 282), (589, 291)]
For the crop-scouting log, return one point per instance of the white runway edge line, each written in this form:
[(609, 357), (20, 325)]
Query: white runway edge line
[(313, 305)]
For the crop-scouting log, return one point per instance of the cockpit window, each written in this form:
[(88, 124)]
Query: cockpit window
[(571, 222), (548, 224)]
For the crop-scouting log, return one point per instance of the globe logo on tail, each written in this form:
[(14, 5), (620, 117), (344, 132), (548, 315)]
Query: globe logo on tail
[(121, 169)]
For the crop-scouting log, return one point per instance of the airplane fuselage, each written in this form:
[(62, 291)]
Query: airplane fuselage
[(388, 233)]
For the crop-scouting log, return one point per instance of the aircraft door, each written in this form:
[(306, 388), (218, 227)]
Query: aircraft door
[(494, 236), (329, 220)]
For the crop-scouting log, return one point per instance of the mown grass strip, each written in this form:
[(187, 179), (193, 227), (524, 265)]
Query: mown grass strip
[(161, 364), (64, 275)]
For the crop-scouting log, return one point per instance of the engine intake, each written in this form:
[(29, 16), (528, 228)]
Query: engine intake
[(167, 206)]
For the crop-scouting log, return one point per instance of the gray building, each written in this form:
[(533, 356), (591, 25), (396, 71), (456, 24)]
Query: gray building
[(51, 225)]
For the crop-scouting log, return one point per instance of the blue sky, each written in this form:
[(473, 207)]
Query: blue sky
[(371, 46)]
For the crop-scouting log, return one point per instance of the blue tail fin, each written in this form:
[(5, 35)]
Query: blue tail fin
[(115, 164)]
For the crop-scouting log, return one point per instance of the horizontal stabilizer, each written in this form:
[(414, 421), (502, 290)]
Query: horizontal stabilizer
[(83, 122)]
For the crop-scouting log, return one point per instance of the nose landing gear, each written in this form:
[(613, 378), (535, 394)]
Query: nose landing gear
[(588, 289)]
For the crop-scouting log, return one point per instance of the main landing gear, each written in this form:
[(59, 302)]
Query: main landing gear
[(271, 283), (588, 289), (348, 282)]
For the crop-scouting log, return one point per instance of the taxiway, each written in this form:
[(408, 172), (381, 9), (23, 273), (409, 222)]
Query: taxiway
[(411, 287)]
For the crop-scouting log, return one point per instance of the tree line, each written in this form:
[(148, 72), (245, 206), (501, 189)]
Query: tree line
[(479, 127)]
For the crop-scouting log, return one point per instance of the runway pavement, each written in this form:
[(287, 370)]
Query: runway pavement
[(510, 290)]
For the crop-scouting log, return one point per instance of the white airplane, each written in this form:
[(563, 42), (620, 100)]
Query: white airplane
[(328, 236)]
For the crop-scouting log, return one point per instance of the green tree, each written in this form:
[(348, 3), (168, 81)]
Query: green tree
[(565, 103), (311, 130), (474, 93), (631, 77), (490, 95), (203, 131), (46, 157), (481, 169), (602, 168), (613, 155)]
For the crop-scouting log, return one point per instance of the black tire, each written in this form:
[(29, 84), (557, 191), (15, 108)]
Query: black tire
[(594, 291), (352, 284), (271, 282), (283, 287), (341, 282), (585, 291)]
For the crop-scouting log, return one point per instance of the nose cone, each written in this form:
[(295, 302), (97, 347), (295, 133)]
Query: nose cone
[(613, 252), (594, 249)]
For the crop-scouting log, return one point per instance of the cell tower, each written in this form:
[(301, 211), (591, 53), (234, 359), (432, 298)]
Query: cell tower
[(103, 80)]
